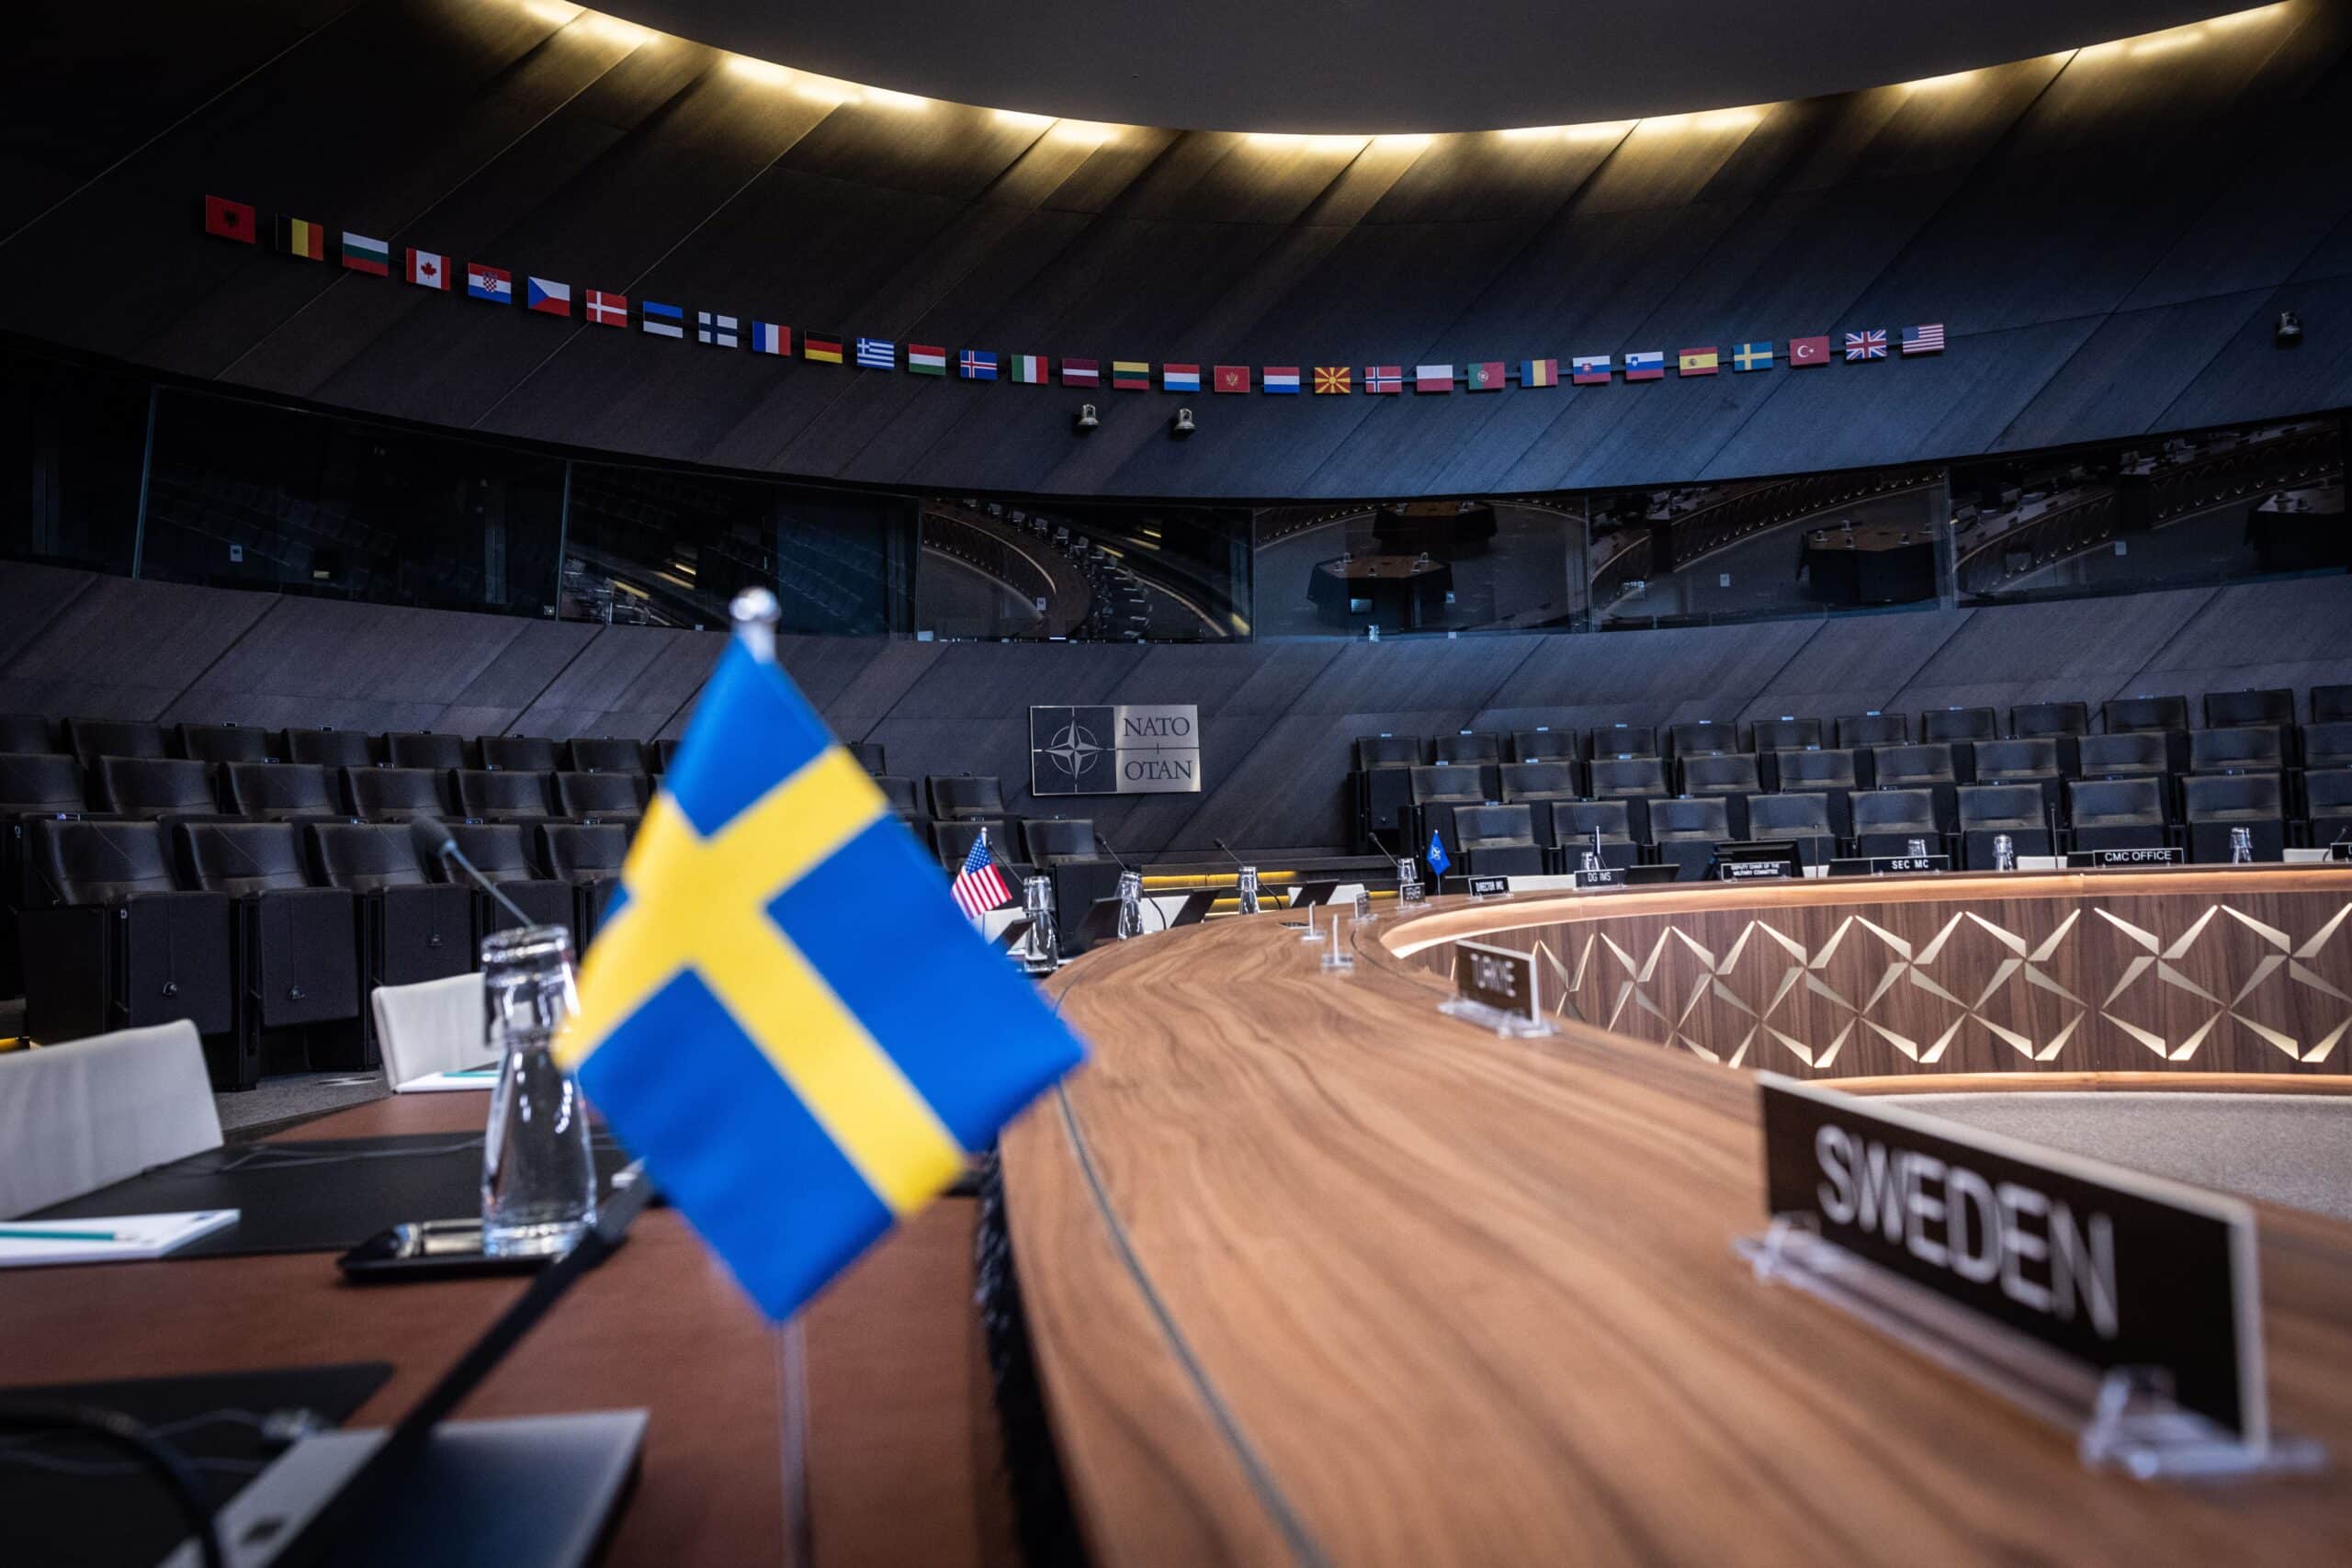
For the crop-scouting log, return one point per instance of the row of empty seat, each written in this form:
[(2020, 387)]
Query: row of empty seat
[(88, 738)]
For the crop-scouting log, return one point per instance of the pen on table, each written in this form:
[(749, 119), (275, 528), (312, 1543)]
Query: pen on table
[(9, 1234)]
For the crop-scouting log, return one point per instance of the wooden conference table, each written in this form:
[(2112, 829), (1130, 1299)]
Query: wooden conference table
[(1316, 1274)]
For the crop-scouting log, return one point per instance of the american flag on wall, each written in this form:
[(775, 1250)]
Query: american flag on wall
[(1928, 339), (979, 887)]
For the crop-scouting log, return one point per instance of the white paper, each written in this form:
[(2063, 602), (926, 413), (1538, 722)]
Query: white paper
[(136, 1237)]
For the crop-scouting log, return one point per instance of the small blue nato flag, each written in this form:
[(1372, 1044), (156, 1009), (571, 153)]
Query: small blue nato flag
[(783, 1013), (1437, 861)]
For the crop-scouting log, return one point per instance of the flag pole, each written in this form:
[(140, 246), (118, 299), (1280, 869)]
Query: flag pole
[(755, 613)]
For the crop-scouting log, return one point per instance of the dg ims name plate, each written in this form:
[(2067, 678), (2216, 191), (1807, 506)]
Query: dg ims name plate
[(2109, 1268), (1115, 748)]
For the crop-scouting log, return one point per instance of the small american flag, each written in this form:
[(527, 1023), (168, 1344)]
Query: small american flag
[(979, 887), (1869, 344), (1923, 340)]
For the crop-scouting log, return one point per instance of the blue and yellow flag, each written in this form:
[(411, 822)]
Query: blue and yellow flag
[(783, 1013)]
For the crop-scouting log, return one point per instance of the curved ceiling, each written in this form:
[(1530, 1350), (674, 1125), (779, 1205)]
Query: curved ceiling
[(1366, 66)]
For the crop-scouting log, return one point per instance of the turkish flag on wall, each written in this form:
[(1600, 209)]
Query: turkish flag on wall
[(1804, 351)]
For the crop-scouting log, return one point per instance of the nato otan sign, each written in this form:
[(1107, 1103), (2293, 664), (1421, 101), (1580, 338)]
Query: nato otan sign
[(1122, 749)]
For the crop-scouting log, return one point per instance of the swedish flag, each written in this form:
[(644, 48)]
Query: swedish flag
[(783, 1013)]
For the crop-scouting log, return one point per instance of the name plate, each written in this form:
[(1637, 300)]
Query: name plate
[(2104, 1266), (1605, 877), (1495, 987), (2339, 851), (2094, 858), (1752, 870), (1489, 886), (1889, 866)]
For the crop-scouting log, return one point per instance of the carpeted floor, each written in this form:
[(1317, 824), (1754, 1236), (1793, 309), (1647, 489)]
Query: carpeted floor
[(2294, 1149), (291, 1097)]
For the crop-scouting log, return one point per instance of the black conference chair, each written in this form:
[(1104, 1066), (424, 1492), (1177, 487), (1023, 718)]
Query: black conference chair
[(1684, 832), (2117, 813), (520, 753), (905, 800), (1639, 781), (90, 739), (2327, 807), (281, 792), (1989, 810), (869, 754), (1384, 787), (1731, 775), (395, 795), (1497, 840), (1546, 745), (502, 855), (2330, 703), (588, 855), (2271, 706), (114, 942), (1927, 766), (1437, 790), (961, 797), (489, 795), (1786, 733), (332, 748), (2212, 805), (1702, 738), (230, 743), (1952, 725), (26, 734), (1859, 732), (424, 748), (33, 786), (2250, 749), (296, 945), (1887, 822), (1622, 740), (1830, 773), (1804, 818), (2328, 744), (602, 797), (1573, 822), (606, 754), (411, 928), (1539, 785), (1064, 850), (2029, 761), (952, 841), (148, 789)]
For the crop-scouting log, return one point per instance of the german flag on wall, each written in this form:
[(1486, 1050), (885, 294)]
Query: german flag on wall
[(301, 237), (828, 349)]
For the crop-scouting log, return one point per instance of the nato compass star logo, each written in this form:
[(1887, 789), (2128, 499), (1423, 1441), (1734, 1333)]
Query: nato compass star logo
[(1073, 749)]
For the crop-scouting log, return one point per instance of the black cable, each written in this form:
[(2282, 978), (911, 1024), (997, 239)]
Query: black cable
[(113, 1427)]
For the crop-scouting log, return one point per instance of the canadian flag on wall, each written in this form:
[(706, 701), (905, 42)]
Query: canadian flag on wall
[(427, 270)]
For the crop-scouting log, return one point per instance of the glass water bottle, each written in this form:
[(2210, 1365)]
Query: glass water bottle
[(538, 1178)]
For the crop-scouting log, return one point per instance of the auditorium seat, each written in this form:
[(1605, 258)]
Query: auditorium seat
[(1886, 821), (2328, 744), (1786, 733), (1636, 781), (297, 945), (229, 743), (2327, 805), (411, 928), (1801, 817), (90, 739), (1437, 790), (964, 797), (1989, 810), (1497, 840), (2248, 748), (1573, 822), (520, 753), (2055, 720), (330, 748), (2272, 706), (1622, 740), (588, 855), (2211, 804), (603, 797), (425, 749), (1958, 724), (1390, 751), (2133, 754), (2330, 704), (1859, 732), (1729, 775), (1828, 774), (1542, 744), (1384, 787), (1466, 747), (1685, 830), (952, 841), (1057, 841), (1538, 784), (606, 754), (665, 753), (2116, 813), (31, 786), (148, 788), (395, 795), (501, 852), (905, 802), (1702, 738), (2032, 760), (26, 734), (489, 795), (114, 942), (280, 792), (1063, 849), (1928, 766), (869, 755), (2167, 717)]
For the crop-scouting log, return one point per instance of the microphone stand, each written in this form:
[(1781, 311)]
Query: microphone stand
[(1246, 884), (1124, 871), (438, 843)]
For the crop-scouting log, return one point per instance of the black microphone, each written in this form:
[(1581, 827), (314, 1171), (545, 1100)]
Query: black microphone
[(436, 842), (1220, 843), (1105, 845)]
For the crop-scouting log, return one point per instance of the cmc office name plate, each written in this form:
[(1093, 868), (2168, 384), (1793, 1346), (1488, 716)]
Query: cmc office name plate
[(1115, 748)]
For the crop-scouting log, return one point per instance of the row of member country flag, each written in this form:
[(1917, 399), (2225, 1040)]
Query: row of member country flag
[(428, 269)]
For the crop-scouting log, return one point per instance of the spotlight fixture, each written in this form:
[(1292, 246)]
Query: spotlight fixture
[(2290, 330), (1086, 419), (1181, 425)]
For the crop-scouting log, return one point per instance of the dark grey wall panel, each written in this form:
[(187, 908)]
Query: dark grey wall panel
[(125, 649), (377, 667)]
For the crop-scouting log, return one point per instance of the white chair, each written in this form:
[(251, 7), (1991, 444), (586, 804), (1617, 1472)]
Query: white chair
[(81, 1115), (434, 1026)]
